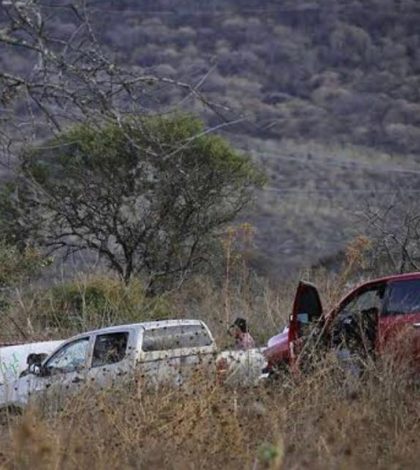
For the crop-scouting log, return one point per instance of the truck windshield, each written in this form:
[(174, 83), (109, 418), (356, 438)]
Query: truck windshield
[(403, 298)]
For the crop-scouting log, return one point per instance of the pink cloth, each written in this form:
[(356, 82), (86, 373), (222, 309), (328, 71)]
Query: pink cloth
[(280, 338), (245, 341)]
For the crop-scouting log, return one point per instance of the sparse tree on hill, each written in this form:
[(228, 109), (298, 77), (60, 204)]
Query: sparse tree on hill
[(394, 231), (149, 195)]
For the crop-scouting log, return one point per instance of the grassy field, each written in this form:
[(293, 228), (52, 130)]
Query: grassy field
[(322, 420)]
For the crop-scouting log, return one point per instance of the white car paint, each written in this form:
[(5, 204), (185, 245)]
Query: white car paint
[(13, 358), (145, 357), (244, 367)]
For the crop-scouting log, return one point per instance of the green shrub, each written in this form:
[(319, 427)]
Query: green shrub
[(18, 265), (95, 302)]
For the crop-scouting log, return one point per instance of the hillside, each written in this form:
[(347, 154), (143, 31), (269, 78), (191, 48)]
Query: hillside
[(324, 93), (335, 71), (332, 70)]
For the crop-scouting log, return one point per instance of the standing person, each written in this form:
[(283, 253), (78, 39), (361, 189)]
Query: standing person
[(239, 330)]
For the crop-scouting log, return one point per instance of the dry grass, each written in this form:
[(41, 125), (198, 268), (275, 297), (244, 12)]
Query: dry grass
[(320, 421), (96, 301)]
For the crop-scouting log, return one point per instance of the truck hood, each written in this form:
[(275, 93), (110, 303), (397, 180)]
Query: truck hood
[(277, 350)]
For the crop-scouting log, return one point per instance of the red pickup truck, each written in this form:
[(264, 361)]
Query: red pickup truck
[(377, 316)]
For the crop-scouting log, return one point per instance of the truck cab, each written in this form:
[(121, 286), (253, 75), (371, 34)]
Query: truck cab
[(383, 315), (159, 352)]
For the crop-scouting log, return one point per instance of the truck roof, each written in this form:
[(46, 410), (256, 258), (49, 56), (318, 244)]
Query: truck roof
[(399, 277), (391, 278), (137, 326)]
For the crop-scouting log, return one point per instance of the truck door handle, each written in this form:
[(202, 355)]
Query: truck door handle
[(77, 380)]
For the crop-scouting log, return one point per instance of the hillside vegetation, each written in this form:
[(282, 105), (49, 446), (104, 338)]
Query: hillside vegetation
[(332, 70), (336, 70), (324, 93)]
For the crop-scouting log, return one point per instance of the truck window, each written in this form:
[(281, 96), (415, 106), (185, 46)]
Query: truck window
[(176, 337), (69, 358), (368, 299), (109, 348), (356, 322), (403, 298)]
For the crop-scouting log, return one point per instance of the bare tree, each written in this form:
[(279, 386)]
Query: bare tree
[(394, 230), (52, 77)]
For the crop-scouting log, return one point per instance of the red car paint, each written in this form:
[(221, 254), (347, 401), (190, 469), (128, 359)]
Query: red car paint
[(398, 321), (278, 353)]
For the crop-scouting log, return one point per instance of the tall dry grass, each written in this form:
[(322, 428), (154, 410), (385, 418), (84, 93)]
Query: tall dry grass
[(323, 420)]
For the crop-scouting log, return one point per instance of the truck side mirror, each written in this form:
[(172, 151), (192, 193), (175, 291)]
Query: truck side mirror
[(303, 318), (34, 362), (34, 359)]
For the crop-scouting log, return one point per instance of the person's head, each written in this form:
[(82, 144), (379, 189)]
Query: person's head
[(238, 327)]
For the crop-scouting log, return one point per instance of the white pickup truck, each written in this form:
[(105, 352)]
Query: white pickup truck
[(159, 352)]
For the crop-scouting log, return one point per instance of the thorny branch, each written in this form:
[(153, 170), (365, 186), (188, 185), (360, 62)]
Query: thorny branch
[(67, 76), (395, 233)]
